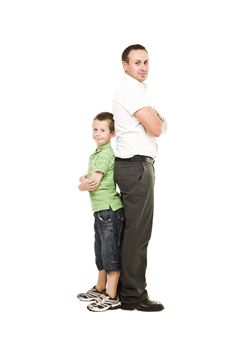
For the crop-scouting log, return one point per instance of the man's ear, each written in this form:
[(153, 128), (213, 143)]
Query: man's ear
[(125, 65)]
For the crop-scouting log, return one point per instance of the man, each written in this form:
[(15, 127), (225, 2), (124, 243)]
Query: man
[(137, 126)]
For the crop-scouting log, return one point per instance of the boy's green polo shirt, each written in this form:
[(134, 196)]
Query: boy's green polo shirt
[(105, 195)]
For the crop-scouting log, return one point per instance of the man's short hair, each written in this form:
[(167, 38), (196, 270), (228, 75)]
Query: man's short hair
[(130, 48)]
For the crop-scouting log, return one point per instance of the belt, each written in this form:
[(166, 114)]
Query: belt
[(136, 158)]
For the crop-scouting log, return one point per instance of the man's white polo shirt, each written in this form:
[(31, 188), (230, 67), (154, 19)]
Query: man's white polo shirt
[(131, 137)]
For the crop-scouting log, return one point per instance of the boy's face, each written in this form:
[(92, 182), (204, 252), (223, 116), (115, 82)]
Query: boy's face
[(138, 65), (101, 132)]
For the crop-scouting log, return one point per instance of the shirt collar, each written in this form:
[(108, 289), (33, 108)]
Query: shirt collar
[(105, 146), (133, 80)]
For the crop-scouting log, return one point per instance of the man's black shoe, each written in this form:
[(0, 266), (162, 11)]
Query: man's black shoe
[(144, 305)]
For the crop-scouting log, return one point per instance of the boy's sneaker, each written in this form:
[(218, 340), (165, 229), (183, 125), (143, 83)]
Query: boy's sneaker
[(91, 295), (104, 303)]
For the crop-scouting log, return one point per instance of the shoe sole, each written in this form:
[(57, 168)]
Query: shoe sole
[(128, 307), (91, 299), (132, 308), (103, 310)]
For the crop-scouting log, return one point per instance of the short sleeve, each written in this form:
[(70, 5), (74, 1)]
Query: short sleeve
[(102, 164)]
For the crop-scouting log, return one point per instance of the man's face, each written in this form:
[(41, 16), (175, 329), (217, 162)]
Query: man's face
[(138, 65)]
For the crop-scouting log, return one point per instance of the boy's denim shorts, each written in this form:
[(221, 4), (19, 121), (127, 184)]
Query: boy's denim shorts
[(108, 233)]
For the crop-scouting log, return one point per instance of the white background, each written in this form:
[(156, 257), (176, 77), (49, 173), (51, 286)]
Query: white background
[(60, 63)]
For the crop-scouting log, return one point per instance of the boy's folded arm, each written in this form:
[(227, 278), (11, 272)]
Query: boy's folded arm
[(90, 183), (96, 180)]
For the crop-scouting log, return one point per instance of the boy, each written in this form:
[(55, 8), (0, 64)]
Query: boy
[(108, 214)]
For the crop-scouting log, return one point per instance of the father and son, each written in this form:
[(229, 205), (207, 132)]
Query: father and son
[(123, 221)]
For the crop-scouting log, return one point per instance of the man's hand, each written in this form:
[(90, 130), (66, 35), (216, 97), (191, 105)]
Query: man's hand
[(165, 126), (164, 122)]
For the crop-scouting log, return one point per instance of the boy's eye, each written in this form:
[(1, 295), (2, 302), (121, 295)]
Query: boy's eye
[(101, 130)]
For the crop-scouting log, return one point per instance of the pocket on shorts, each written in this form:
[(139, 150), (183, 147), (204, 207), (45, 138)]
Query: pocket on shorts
[(104, 216)]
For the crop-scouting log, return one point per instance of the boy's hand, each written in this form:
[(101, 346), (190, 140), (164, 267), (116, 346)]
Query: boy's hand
[(82, 178), (90, 184), (87, 184)]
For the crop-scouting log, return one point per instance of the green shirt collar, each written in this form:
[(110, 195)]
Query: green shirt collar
[(105, 146)]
